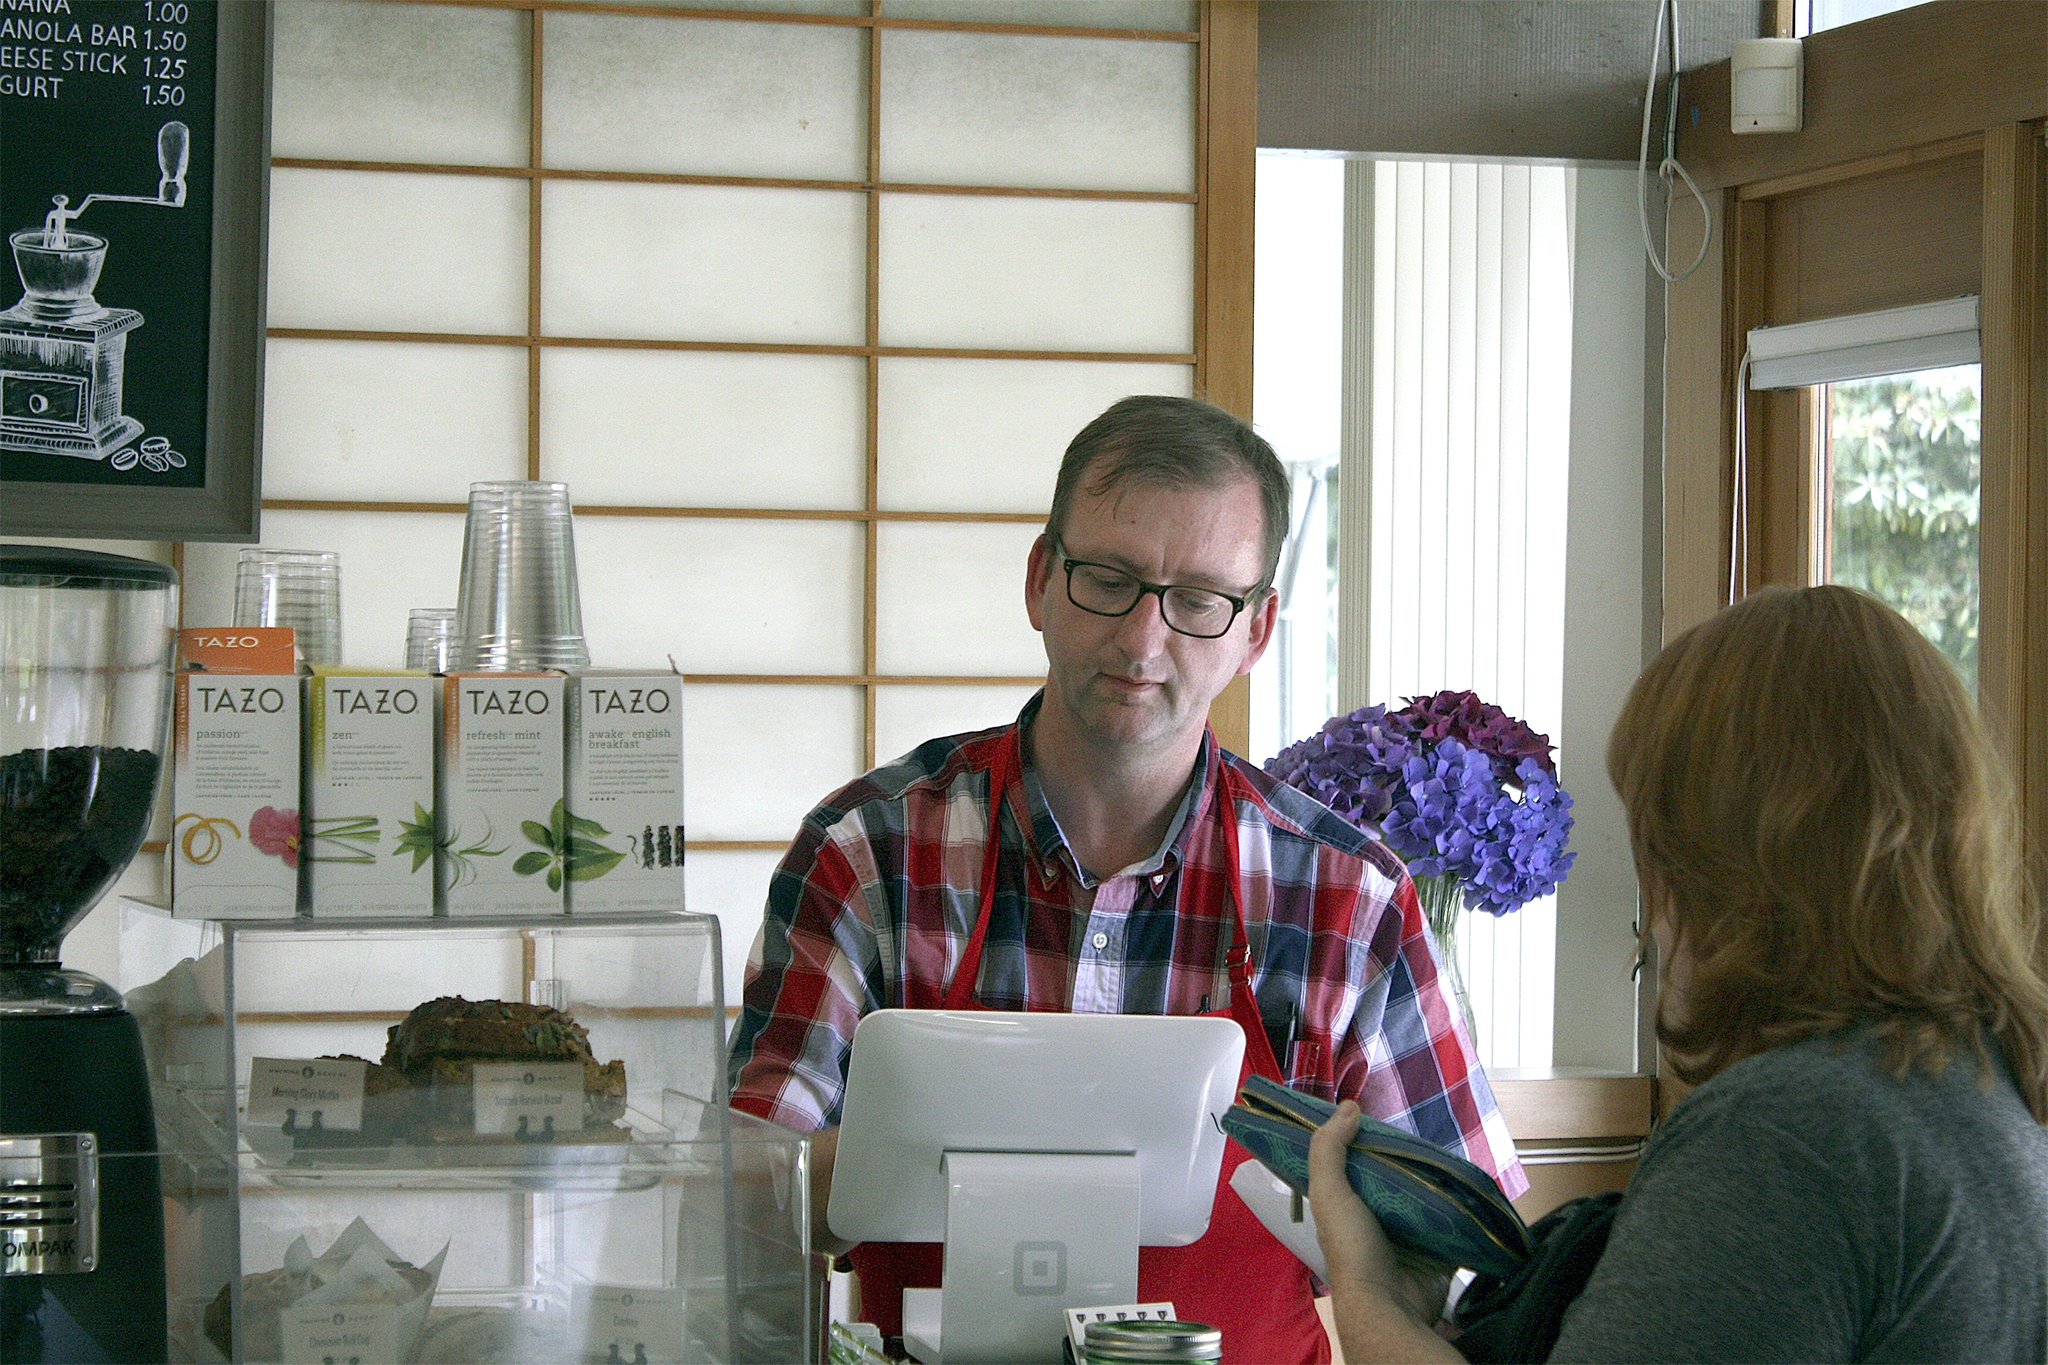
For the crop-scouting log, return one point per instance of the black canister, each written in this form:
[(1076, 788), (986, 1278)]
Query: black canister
[(81, 1075)]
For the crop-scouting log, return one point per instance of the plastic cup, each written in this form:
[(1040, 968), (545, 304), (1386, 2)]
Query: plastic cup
[(296, 588), (430, 638), (518, 607)]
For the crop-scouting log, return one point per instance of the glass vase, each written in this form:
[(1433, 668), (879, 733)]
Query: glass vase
[(1443, 906)]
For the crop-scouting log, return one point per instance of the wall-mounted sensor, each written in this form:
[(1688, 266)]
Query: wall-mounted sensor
[(1767, 85)]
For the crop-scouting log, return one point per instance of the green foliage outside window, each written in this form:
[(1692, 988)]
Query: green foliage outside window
[(1905, 455)]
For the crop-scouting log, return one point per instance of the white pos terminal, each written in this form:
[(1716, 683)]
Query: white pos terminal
[(1041, 1149)]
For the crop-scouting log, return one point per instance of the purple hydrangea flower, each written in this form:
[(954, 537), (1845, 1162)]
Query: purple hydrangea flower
[(1456, 787), (1481, 725)]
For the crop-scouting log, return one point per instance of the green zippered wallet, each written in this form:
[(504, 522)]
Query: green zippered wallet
[(1431, 1203)]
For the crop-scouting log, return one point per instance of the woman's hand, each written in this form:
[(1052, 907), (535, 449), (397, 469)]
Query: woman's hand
[(1384, 1304), (1355, 1247)]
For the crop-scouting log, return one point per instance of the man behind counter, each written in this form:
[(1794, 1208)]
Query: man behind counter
[(1132, 863)]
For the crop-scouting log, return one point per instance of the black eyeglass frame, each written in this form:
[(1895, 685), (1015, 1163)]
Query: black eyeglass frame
[(1237, 602)]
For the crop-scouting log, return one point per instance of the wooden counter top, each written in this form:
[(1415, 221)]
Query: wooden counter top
[(1564, 1106)]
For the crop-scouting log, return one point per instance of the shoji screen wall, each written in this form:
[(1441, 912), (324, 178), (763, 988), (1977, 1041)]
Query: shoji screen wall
[(803, 301)]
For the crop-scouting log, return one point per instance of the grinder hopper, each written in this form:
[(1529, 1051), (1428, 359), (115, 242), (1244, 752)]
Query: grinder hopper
[(85, 685)]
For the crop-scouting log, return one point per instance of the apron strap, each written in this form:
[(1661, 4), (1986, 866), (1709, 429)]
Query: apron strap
[(960, 990), (1244, 1006)]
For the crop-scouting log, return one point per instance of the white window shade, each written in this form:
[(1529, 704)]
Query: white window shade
[(1466, 461), (1925, 336)]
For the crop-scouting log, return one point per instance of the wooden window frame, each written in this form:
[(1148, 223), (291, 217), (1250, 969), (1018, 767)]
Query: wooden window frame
[(1905, 90)]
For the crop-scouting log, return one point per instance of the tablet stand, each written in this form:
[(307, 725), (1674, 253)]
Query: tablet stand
[(1028, 1235)]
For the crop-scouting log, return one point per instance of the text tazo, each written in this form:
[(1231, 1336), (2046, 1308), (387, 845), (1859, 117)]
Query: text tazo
[(635, 701), (376, 701), (508, 701), (244, 700)]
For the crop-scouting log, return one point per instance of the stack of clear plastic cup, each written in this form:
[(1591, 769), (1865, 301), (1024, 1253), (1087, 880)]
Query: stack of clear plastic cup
[(430, 639), (296, 588), (518, 607)]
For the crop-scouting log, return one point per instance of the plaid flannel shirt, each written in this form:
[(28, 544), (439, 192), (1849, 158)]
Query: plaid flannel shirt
[(874, 903)]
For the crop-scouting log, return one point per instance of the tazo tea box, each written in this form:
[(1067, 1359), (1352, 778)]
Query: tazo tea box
[(235, 834), (369, 806), (623, 835), (501, 794)]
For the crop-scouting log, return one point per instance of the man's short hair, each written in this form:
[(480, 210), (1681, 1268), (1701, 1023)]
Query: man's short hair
[(1175, 443)]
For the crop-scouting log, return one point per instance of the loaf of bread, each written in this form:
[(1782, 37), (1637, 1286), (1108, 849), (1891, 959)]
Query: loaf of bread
[(484, 1030), (439, 1044)]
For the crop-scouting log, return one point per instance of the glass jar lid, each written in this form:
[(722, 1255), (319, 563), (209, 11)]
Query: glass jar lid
[(1148, 1339)]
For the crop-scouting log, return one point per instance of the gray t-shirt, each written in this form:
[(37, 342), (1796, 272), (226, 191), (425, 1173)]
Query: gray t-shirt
[(1803, 1205)]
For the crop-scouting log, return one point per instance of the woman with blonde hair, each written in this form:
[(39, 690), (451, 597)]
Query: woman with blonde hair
[(1854, 973)]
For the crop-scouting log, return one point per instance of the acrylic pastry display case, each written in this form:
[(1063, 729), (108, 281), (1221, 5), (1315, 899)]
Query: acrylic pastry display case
[(401, 1220)]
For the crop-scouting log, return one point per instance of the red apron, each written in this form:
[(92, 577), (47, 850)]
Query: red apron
[(1237, 1277)]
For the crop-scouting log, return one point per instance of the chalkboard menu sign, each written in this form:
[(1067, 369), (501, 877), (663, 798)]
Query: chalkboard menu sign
[(132, 195)]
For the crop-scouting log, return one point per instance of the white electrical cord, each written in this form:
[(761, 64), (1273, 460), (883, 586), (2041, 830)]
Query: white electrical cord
[(1668, 168), (1738, 528), (1317, 473)]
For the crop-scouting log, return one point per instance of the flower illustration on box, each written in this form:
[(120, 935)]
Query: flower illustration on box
[(416, 836), (202, 839), (569, 848), (343, 839), (276, 833), (663, 842)]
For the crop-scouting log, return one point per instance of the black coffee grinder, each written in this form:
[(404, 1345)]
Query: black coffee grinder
[(85, 687)]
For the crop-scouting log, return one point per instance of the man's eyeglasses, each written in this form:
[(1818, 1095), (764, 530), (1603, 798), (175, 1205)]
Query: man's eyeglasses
[(1104, 590)]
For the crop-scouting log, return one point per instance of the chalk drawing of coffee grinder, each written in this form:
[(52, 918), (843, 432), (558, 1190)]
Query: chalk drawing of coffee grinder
[(61, 350)]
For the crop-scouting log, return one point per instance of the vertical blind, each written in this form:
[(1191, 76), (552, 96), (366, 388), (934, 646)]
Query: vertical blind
[(1462, 457)]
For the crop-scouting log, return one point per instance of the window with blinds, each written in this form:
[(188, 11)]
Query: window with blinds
[(1488, 524), (1471, 364)]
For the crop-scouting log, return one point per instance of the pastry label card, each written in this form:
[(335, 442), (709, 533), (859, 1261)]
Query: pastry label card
[(632, 1326), (300, 1095), (529, 1100), (339, 1334), (1079, 1318)]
